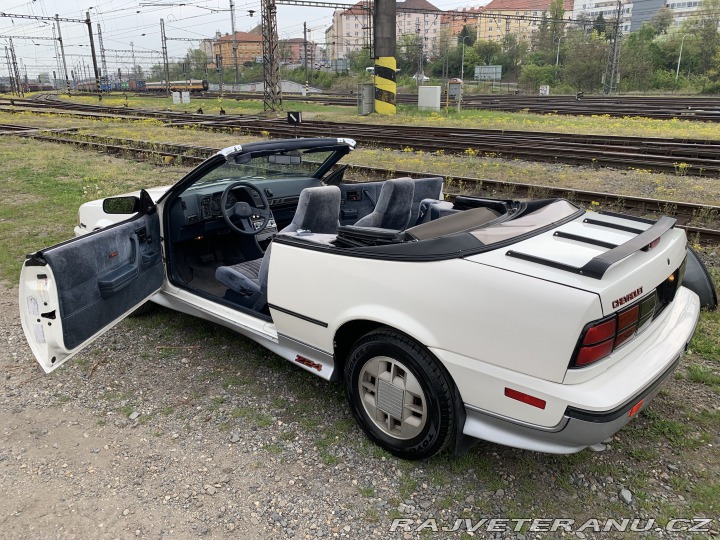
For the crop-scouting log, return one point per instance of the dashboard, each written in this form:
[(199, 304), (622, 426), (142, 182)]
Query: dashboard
[(197, 211)]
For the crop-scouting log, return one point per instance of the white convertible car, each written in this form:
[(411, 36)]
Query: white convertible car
[(533, 324)]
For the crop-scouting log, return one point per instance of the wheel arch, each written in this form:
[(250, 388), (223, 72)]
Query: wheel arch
[(351, 331), (345, 337)]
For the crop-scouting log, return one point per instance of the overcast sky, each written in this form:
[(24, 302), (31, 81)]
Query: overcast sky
[(138, 21)]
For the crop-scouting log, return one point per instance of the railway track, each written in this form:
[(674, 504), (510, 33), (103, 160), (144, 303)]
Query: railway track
[(676, 156), (686, 157), (686, 213), (663, 108)]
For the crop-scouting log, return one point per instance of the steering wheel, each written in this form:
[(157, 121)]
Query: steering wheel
[(242, 212)]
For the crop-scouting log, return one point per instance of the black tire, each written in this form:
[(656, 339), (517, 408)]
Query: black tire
[(143, 309), (424, 424)]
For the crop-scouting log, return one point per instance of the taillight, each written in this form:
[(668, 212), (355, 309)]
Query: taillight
[(600, 338)]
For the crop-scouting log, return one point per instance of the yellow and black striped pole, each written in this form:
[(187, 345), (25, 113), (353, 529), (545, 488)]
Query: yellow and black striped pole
[(385, 85)]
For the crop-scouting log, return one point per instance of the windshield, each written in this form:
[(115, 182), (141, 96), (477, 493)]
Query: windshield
[(260, 166)]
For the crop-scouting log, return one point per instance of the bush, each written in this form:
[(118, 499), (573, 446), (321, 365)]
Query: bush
[(532, 77)]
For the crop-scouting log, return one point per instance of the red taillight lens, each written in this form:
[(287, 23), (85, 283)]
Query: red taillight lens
[(626, 334), (628, 317), (600, 332), (601, 338), (593, 353)]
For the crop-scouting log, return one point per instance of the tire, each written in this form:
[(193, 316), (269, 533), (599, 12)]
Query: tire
[(400, 395), (143, 309)]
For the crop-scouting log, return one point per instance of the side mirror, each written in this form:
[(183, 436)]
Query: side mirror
[(129, 204)]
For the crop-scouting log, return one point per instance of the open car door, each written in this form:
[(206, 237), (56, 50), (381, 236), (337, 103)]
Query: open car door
[(73, 292)]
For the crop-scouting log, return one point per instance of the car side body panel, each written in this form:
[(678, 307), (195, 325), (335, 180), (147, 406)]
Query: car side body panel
[(453, 305)]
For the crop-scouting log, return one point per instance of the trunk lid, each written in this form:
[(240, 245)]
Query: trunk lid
[(619, 258)]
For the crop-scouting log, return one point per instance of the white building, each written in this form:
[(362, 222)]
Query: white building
[(634, 14), (351, 29)]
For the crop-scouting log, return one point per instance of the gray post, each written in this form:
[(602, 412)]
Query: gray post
[(62, 53), (165, 57), (92, 52), (234, 38)]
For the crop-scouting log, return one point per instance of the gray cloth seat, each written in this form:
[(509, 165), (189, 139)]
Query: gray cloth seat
[(318, 210), (394, 206)]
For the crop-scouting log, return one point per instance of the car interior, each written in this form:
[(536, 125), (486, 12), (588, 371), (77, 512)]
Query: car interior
[(220, 227)]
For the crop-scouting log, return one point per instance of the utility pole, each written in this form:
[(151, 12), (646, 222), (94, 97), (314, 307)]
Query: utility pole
[(10, 72), (272, 96), (102, 61), (610, 78), (16, 71), (165, 57), (132, 51), (234, 38), (92, 52), (305, 52), (62, 53)]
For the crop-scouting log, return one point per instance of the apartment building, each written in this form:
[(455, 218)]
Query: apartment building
[(519, 17)]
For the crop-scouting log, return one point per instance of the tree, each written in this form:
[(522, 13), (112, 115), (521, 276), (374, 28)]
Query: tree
[(583, 69), (487, 51), (513, 54), (638, 57), (557, 26), (599, 25), (662, 20), (705, 28), (469, 34), (542, 41), (359, 60), (532, 76), (408, 53)]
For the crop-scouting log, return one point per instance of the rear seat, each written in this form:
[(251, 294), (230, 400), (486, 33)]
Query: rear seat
[(425, 188), (432, 209)]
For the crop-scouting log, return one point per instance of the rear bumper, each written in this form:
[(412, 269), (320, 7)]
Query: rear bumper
[(577, 430), (589, 412)]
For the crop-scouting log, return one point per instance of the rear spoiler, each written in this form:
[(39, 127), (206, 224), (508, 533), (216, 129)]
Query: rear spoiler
[(597, 266)]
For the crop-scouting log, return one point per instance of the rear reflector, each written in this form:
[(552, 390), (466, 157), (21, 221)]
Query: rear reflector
[(525, 398), (635, 408)]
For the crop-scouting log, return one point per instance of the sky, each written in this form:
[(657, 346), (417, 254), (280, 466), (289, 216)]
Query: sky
[(138, 22)]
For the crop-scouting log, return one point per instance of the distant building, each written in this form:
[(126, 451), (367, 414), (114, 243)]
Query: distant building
[(292, 51), (351, 29), (505, 17), (683, 10), (591, 9), (455, 23), (249, 48), (423, 21), (634, 14)]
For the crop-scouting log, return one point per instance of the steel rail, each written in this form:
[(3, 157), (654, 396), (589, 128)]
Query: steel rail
[(685, 157), (684, 212)]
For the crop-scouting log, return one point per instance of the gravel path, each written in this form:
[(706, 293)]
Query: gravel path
[(169, 427)]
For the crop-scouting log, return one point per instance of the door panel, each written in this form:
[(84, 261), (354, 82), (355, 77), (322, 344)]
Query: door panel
[(357, 200), (73, 292)]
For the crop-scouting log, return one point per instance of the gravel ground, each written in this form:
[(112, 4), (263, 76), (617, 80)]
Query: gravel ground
[(212, 436)]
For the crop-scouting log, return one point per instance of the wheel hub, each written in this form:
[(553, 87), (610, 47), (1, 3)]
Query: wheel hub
[(392, 397)]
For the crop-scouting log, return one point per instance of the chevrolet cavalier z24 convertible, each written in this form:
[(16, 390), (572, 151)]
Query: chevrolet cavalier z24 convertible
[(534, 324)]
